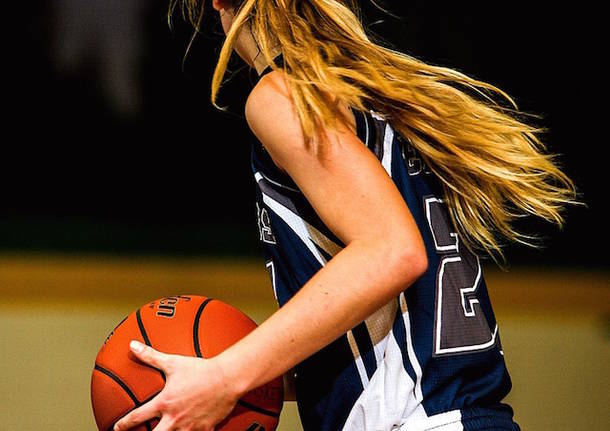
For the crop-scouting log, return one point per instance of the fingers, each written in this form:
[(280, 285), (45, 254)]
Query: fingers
[(140, 415), (164, 425), (150, 356)]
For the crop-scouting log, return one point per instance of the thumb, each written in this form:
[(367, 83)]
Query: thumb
[(149, 355)]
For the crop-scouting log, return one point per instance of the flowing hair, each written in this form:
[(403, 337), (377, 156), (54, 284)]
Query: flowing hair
[(493, 167)]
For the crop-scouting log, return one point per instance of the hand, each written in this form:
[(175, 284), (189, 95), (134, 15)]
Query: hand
[(197, 395)]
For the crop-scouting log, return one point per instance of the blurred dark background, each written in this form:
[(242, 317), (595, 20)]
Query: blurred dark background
[(111, 143)]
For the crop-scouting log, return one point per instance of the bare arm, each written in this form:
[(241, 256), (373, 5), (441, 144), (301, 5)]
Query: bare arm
[(357, 200)]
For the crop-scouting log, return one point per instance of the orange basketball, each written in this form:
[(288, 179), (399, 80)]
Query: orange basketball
[(186, 325)]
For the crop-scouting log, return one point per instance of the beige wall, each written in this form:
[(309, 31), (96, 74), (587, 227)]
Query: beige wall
[(56, 311)]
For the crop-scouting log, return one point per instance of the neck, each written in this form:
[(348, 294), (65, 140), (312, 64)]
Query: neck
[(260, 64)]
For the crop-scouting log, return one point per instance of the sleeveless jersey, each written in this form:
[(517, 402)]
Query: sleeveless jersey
[(429, 359)]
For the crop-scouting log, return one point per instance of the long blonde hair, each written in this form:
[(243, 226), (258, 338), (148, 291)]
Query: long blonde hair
[(492, 165)]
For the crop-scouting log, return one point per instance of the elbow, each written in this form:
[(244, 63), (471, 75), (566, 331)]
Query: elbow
[(410, 261), (417, 262)]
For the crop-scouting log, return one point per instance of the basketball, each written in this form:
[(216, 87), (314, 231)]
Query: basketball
[(186, 325)]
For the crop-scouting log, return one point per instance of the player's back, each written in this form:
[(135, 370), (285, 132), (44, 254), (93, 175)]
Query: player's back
[(429, 358)]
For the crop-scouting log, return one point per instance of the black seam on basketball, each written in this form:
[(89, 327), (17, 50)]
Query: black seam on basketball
[(258, 409), (121, 383), (196, 328), (138, 405), (142, 329), (121, 322), (146, 339)]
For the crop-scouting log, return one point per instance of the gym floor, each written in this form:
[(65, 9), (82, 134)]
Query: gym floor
[(57, 309)]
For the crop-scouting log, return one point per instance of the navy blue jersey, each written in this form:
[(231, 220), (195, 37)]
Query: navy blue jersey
[(431, 357)]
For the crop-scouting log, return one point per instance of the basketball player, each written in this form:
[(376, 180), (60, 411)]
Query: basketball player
[(380, 180)]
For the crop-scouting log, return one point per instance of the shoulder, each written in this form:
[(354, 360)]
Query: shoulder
[(269, 96), (272, 116), (271, 85), (268, 103)]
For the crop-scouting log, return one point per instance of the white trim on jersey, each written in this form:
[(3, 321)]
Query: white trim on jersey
[(364, 378), (377, 115), (410, 349), (298, 225), (271, 268), (366, 123), (466, 290), (386, 159), (447, 421), (259, 176), (322, 241), (474, 347), (445, 248), (304, 230)]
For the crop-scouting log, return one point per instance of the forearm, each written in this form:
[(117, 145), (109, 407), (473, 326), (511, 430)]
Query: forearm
[(356, 282)]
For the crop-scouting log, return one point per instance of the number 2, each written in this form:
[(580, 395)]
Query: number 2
[(460, 326)]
